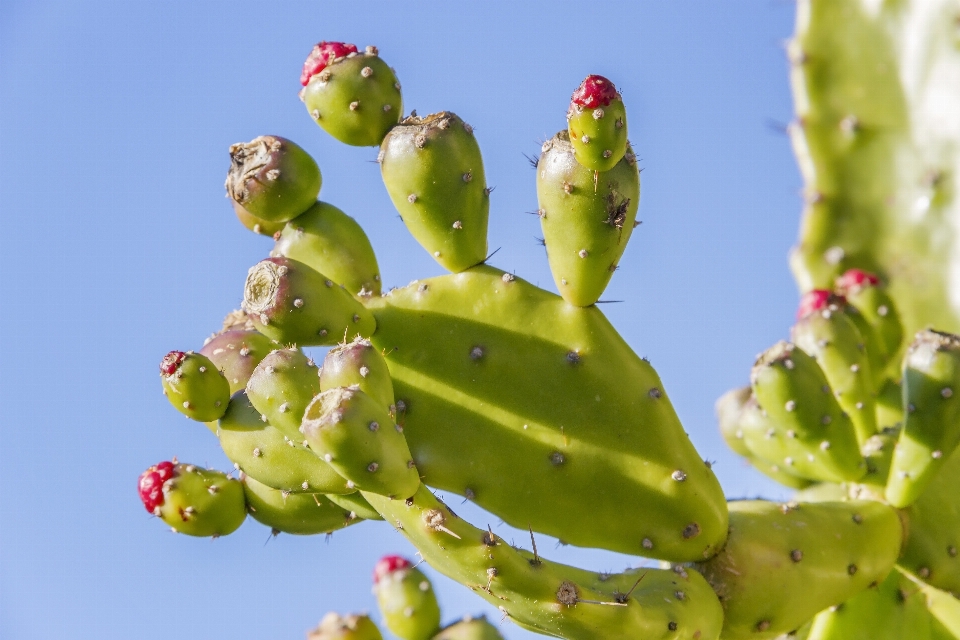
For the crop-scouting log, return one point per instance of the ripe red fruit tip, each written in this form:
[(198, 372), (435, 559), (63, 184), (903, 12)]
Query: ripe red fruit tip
[(855, 279), (321, 56), (815, 301), (593, 92), (389, 564), (171, 362), (150, 484)]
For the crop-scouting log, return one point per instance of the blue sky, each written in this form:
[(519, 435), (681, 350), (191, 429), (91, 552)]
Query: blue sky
[(118, 246)]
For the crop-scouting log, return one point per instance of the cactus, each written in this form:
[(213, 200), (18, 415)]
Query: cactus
[(532, 406)]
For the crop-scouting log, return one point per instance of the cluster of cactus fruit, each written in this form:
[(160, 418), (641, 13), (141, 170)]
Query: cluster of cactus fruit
[(421, 387)]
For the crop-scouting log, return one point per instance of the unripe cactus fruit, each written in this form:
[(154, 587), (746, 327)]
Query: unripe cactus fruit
[(360, 363), (597, 124), (356, 436), (194, 385), (237, 352), (355, 505), (406, 599), (293, 304), (194, 501), (255, 224), (295, 513), (272, 178), (865, 292), (931, 429), (353, 96), (434, 174), (469, 628), (587, 219), (351, 627), (281, 387), (332, 243)]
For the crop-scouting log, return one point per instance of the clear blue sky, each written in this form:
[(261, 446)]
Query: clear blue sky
[(118, 245)]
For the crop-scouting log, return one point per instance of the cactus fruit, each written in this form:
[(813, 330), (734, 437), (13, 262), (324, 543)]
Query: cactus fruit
[(281, 387), (353, 96), (775, 553), (469, 628), (406, 599), (329, 241), (864, 291), (597, 124), (237, 352), (358, 363), (272, 178), (194, 501), (255, 224), (587, 218), (194, 385), (355, 505), (293, 304), (931, 429), (357, 437), (351, 627), (433, 171), (296, 513)]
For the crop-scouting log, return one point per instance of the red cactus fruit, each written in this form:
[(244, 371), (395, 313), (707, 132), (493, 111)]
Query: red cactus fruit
[(855, 279), (595, 91), (150, 484), (816, 300), (171, 362), (389, 564), (323, 54)]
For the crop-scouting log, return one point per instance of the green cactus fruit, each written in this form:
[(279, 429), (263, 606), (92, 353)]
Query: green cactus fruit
[(293, 304), (865, 292), (194, 501), (357, 437), (262, 452), (296, 513), (272, 178), (783, 563), (894, 610), (597, 124), (832, 338), (331, 242), (255, 224), (586, 218), (931, 429), (877, 149), (237, 352), (469, 628), (360, 363), (945, 611), (744, 428), (353, 96), (805, 416), (930, 551), (406, 599), (281, 387), (527, 396), (194, 385), (550, 598), (878, 455), (433, 171), (355, 505), (350, 627), (890, 404)]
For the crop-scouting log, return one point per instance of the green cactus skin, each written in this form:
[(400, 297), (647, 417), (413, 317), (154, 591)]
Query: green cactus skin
[(202, 502), (272, 178), (894, 610), (890, 405), (586, 218), (293, 304), (551, 598), (931, 429), (281, 387), (350, 627), (262, 452), (599, 134), (360, 363), (877, 150), (433, 171), (871, 298), (469, 628), (930, 551), (740, 419), (194, 385), (237, 352), (783, 563), (332, 243), (581, 418), (295, 513), (357, 437), (835, 343), (793, 391), (945, 609), (255, 224), (356, 99), (356, 505), (408, 603)]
